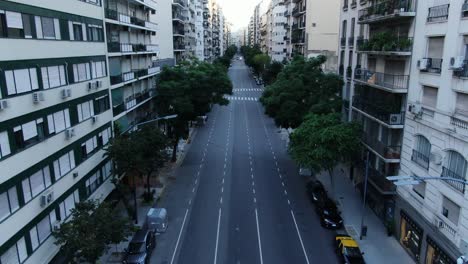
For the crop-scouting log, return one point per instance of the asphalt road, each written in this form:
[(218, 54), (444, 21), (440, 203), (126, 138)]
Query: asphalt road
[(241, 199)]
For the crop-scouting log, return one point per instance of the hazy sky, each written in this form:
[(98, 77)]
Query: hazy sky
[(238, 12)]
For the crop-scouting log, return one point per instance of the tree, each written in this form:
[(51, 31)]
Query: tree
[(260, 61), (271, 72), (322, 141), (189, 90), (249, 54), (91, 229), (301, 88)]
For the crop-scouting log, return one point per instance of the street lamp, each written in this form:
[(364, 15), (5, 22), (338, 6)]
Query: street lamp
[(135, 213)]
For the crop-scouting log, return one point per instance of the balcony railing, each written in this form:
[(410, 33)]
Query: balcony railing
[(180, 2), (353, 3), (121, 17), (463, 72), (385, 43), (386, 151), (420, 158), (447, 173), (345, 5), (343, 41), (179, 16), (378, 179), (127, 47), (457, 122), (384, 80), (438, 13), (381, 10), (351, 41), (433, 65), (379, 111), (123, 77)]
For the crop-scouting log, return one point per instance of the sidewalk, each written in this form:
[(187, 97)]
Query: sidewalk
[(115, 252), (378, 247)]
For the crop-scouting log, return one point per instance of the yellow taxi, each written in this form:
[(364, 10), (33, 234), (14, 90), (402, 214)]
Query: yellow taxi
[(348, 250)]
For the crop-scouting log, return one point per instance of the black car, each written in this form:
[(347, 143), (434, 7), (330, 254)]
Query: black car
[(140, 247), (316, 191), (329, 214)]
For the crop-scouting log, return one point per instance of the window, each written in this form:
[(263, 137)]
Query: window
[(455, 167), (29, 133), (53, 76), (450, 210), (98, 69), (21, 81), (102, 104), (429, 96), (344, 29), (93, 183), (88, 147), (14, 24), (421, 151), (41, 231), (462, 103), (8, 202), (27, 24), (47, 28), (64, 164), (435, 47), (4, 144), (81, 72), (15, 254), (104, 136), (85, 110), (95, 33), (68, 204), (36, 183), (420, 189), (77, 31), (106, 170), (58, 121)]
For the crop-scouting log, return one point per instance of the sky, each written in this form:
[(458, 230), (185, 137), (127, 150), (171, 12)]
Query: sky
[(238, 12)]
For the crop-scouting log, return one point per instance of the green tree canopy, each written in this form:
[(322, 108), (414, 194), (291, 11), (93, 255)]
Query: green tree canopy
[(301, 88), (260, 62), (323, 141), (189, 90), (271, 72), (91, 229)]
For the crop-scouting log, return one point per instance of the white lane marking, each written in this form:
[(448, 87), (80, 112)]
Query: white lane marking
[(255, 200), (201, 165), (217, 237), (282, 183), (277, 169), (222, 181), (251, 175), (253, 191), (180, 233), (289, 202), (198, 173), (224, 165), (190, 201), (300, 238), (259, 240), (251, 169), (222, 189), (285, 192), (221, 200), (224, 172), (196, 181)]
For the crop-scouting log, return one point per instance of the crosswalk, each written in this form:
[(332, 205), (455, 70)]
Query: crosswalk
[(248, 90), (240, 98)]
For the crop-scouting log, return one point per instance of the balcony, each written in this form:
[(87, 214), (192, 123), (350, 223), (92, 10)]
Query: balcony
[(353, 3), (179, 47), (178, 2), (178, 32), (421, 159), (457, 122), (117, 47), (123, 77), (384, 81), (345, 5), (343, 42), (438, 13), (385, 113), (127, 19), (447, 173), (387, 10), (287, 13), (391, 153), (462, 72), (379, 181), (351, 41), (179, 17), (432, 65), (386, 44), (465, 9)]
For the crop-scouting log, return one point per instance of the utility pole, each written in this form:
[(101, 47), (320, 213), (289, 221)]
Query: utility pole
[(363, 212)]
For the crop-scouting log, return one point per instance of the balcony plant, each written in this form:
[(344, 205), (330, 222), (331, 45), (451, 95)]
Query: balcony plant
[(404, 44)]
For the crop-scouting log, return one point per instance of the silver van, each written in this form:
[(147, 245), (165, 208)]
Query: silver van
[(157, 219)]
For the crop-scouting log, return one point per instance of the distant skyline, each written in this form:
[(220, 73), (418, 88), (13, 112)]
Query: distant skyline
[(238, 12)]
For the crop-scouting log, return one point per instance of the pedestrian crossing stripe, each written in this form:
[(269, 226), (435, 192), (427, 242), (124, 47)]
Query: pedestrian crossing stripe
[(248, 90), (239, 98)]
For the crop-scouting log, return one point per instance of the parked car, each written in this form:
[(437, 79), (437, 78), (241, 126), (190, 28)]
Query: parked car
[(348, 250), (140, 247), (329, 214), (316, 191)]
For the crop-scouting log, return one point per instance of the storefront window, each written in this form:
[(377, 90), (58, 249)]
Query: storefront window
[(436, 255), (410, 235)]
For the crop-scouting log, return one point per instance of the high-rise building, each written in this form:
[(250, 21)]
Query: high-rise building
[(179, 20), (76, 73), (404, 64), (298, 28)]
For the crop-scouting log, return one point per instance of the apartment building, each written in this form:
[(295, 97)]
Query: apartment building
[(199, 30), (298, 28), (207, 31), (273, 31), (179, 19), (288, 6), (432, 217), (56, 117), (254, 27)]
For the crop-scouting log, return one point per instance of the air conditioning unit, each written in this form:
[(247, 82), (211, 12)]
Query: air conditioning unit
[(3, 104), (438, 223), (69, 133), (424, 64), (415, 109), (91, 86), (94, 119), (56, 225), (98, 84), (457, 63), (75, 175), (65, 93), (47, 198), (395, 119), (37, 97)]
